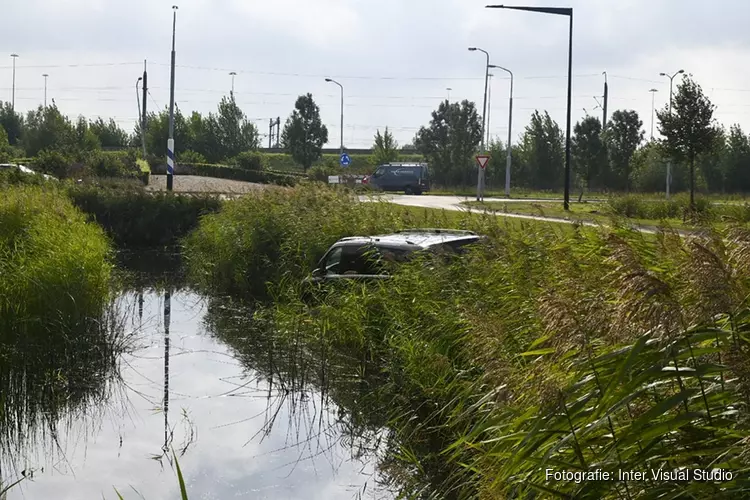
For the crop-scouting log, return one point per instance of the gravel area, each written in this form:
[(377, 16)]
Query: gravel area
[(197, 184)]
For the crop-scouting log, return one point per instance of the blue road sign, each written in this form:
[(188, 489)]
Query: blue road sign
[(345, 160)]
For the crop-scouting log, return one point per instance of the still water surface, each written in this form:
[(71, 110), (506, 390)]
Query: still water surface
[(239, 429)]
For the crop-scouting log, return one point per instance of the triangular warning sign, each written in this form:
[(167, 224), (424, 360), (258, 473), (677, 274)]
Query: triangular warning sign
[(482, 160)]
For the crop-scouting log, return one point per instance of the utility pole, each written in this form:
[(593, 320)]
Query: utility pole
[(606, 96), (270, 132), (13, 92), (653, 94), (144, 115), (232, 74), (329, 80), (278, 130), (170, 142), (449, 93), (45, 89)]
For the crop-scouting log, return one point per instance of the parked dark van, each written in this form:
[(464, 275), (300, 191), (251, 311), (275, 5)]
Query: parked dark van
[(411, 178)]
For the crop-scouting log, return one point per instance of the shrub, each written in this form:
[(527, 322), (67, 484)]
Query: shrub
[(53, 163), (251, 160), (52, 264), (113, 164), (223, 172), (321, 172), (190, 156), (133, 217)]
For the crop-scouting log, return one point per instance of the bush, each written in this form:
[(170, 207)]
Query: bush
[(133, 217), (113, 164), (52, 263), (321, 172), (191, 157), (251, 160), (53, 163)]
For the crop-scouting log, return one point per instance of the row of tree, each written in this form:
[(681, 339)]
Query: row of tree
[(613, 157), (609, 158)]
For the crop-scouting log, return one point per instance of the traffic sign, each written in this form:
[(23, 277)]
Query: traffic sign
[(482, 160), (345, 160)]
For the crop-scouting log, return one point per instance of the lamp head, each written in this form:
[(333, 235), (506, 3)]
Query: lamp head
[(681, 71), (472, 49), (328, 80), (662, 74)]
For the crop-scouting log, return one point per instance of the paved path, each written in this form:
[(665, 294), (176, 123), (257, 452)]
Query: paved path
[(454, 203)]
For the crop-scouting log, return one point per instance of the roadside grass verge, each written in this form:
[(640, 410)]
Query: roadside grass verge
[(636, 209)]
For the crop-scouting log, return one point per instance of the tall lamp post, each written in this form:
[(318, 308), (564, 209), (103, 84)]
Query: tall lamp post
[(510, 124), (13, 91), (560, 11), (449, 93), (480, 171), (489, 106), (653, 94), (232, 74), (342, 111), (45, 88), (170, 141), (669, 163)]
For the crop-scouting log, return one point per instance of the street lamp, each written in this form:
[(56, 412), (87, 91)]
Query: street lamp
[(484, 115), (510, 124), (232, 74), (45, 75), (669, 163), (170, 141), (342, 111), (560, 11), (653, 94), (13, 92), (449, 93)]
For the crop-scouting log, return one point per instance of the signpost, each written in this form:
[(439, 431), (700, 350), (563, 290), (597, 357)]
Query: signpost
[(345, 160), (482, 161)]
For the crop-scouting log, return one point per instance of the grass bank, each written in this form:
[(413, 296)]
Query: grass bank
[(574, 351)]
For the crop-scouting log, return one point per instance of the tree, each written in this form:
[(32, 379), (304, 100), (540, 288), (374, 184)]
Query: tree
[(157, 133), (689, 130), (110, 134), (622, 137), (736, 163), (588, 151), (85, 138), (385, 148), (450, 141), (543, 151), (47, 129), (304, 133), (235, 133), (12, 122)]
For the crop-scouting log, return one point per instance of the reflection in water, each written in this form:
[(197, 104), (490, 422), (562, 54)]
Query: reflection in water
[(254, 415), (53, 378)]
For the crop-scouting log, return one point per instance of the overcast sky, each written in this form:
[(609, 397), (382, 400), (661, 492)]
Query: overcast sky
[(395, 58)]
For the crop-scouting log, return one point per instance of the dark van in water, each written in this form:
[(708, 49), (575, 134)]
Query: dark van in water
[(411, 178)]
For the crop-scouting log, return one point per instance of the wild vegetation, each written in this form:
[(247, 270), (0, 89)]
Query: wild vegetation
[(572, 350)]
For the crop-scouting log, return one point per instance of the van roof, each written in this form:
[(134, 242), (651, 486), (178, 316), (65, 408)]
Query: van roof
[(411, 239)]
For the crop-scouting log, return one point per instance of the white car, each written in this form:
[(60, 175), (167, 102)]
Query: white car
[(26, 170)]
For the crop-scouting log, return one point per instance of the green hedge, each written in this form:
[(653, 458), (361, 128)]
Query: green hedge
[(360, 163)]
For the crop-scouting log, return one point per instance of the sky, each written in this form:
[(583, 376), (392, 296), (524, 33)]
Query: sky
[(395, 59)]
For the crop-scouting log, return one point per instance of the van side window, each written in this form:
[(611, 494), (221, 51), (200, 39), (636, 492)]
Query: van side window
[(379, 172), (333, 261)]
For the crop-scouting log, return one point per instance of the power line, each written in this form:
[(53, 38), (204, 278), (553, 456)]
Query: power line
[(94, 65)]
